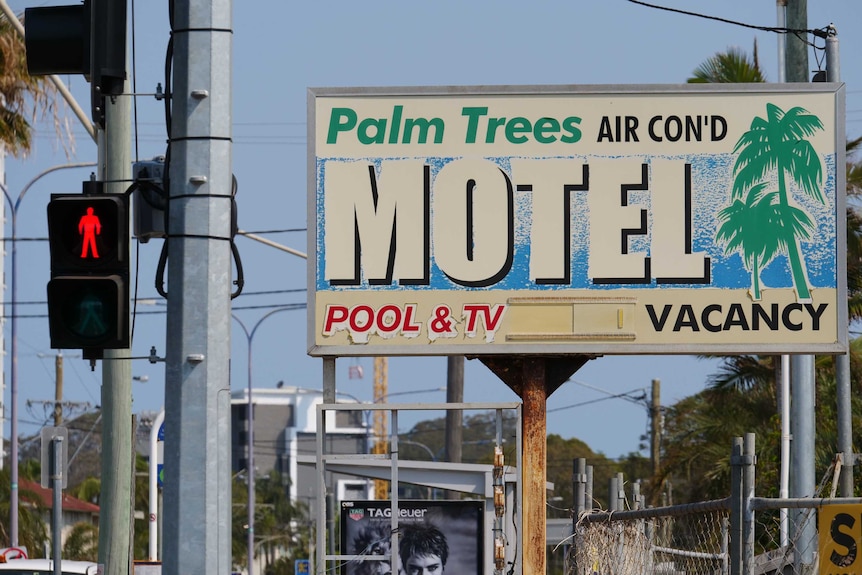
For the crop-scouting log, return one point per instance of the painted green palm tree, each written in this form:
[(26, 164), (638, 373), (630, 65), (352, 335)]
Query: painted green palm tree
[(752, 227), (777, 145)]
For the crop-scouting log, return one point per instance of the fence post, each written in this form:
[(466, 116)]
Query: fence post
[(613, 497), (736, 506), (749, 463), (579, 487), (621, 492)]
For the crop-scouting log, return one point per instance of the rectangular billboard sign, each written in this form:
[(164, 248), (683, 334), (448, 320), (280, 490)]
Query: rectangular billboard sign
[(577, 219), (451, 531)]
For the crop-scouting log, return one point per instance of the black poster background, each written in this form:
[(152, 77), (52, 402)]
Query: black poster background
[(366, 528)]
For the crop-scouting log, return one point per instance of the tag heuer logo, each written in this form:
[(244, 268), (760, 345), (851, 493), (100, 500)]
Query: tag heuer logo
[(356, 514)]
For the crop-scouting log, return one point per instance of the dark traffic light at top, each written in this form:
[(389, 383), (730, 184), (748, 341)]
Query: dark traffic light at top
[(88, 39)]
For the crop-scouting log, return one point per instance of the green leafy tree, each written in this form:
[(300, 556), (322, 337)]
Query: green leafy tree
[(32, 531), (82, 544), (741, 398), (281, 526), (854, 230), (732, 66), (479, 438)]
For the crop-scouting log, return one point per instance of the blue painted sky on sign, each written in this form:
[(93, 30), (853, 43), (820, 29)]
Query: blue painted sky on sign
[(711, 176)]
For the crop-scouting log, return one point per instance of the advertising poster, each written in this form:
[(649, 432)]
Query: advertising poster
[(437, 536), (577, 219)]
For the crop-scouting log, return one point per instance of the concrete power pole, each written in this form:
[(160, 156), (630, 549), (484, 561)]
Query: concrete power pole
[(802, 480), (454, 419), (655, 428), (796, 48), (197, 494), (115, 533), (843, 394)]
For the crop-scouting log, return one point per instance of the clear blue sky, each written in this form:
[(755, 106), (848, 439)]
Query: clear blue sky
[(281, 49)]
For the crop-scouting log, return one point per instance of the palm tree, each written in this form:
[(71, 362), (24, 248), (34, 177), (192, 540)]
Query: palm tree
[(777, 144), (32, 531), (729, 67), (854, 232)]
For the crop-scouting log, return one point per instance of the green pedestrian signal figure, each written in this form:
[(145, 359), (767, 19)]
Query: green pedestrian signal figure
[(89, 226), (91, 318)]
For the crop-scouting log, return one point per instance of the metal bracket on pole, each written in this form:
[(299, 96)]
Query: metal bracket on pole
[(152, 358)]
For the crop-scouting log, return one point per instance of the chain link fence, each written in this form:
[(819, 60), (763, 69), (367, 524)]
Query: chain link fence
[(739, 535), (676, 540)]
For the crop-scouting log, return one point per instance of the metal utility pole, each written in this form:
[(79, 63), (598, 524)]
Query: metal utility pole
[(802, 480), (842, 362), (454, 418), (655, 430), (197, 499), (115, 533), (796, 47)]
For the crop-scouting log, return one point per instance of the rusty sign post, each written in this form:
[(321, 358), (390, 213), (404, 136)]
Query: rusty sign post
[(534, 378)]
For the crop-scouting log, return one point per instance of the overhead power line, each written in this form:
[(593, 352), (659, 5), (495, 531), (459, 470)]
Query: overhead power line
[(776, 29)]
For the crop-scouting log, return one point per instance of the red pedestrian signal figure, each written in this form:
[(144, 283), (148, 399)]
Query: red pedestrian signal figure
[(89, 226)]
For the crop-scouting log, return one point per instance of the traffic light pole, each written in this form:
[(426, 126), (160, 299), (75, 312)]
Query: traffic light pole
[(197, 498), (14, 206), (115, 533)]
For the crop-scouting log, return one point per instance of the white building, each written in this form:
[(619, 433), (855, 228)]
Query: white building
[(285, 426)]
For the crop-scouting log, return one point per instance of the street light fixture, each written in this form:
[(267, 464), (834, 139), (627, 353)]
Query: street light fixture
[(250, 434), (13, 370)]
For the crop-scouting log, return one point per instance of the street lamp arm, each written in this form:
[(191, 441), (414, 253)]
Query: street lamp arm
[(250, 432), (45, 173), (273, 244)]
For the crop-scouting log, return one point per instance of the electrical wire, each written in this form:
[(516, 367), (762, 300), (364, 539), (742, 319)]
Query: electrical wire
[(775, 29)]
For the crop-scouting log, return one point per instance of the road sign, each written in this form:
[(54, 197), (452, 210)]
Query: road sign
[(840, 533), (49, 434)]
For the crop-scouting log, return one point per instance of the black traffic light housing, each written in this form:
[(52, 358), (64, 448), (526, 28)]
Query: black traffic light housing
[(88, 39), (88, 295)]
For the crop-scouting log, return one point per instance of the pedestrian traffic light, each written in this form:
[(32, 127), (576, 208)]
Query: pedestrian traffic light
[(88, 39), (88, 295)]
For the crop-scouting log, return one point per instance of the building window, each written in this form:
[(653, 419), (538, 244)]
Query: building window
[(348, 418)]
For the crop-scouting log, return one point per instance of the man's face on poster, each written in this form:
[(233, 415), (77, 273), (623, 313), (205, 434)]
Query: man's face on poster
[(424, 565)]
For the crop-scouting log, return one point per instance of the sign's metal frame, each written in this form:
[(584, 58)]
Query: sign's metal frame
[(836, 345)]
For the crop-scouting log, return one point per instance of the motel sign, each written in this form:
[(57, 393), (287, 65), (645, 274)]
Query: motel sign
[(681, 219)]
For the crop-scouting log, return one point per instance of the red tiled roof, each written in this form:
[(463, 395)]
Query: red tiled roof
[(46, 498)]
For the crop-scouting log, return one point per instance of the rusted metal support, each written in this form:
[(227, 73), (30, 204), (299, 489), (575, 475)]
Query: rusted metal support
[(534, 378), (534, 460)]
